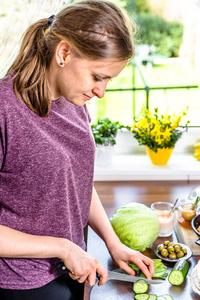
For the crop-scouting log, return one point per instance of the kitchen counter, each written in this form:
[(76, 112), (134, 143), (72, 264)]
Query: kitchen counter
[(116, 194), (138, 167)]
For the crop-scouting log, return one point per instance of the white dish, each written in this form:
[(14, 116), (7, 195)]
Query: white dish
[(187, 256)]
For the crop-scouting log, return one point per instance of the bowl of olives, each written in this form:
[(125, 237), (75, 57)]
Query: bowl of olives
[(172, 252)]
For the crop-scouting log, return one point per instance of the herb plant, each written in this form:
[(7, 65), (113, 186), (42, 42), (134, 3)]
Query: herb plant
[(105, 131)]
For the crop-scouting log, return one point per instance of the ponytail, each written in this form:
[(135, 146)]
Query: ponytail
[(29, 69)]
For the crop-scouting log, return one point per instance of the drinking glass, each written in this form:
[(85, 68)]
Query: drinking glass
[(165, 217)]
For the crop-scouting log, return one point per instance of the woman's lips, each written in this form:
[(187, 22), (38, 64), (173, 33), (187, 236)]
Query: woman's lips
[(87, 97)]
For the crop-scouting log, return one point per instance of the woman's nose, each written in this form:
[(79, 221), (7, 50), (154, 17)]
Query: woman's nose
[(100, 88)]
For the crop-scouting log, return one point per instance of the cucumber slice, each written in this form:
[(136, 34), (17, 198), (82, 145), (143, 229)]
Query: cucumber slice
[(141, 297), (179, 272), (161, 298), (140, 286), (152, 297), (168, 297)]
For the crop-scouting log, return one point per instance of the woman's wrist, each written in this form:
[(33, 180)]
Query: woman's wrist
[(112, 243), (63, 249)]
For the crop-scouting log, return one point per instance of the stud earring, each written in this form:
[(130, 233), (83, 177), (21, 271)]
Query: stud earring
[(61, 63)]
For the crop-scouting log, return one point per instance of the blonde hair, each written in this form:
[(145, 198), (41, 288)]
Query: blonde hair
[(93, 29)]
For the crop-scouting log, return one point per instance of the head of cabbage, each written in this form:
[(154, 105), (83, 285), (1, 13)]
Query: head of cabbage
[(136, 225)]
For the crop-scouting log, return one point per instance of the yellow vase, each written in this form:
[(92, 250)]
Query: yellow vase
[(160, 157)]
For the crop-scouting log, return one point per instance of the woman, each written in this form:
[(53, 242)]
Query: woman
[(47, 153)]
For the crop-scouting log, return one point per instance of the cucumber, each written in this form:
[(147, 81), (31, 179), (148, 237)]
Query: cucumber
[(168, 297), (140, 287), (152, 297), (161, 298), (179, 272), (141, 297)]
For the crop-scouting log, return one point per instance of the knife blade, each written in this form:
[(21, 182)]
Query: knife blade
[(117, 274)]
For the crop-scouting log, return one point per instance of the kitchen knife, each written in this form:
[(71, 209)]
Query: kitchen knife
[(117, 274)]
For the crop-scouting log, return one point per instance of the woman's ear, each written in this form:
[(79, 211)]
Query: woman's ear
[(62, 52)]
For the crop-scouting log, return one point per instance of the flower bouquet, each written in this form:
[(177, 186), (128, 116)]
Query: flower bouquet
[(158, 132)]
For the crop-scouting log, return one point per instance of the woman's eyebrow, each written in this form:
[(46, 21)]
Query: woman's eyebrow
[(103, 76)]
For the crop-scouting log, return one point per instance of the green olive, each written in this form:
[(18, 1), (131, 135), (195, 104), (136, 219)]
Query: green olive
[(170, 249), (180, 254), (164, 252), (184, 250), (160, 248), (171, 244), (177, 248), (172, 255), (166, 243)]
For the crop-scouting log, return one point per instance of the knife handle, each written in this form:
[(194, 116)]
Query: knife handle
[(61, 268)]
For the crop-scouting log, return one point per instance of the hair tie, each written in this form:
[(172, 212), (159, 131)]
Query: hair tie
[(50, 20)]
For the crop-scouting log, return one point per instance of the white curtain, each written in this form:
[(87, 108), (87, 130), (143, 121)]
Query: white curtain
[(15, 17)]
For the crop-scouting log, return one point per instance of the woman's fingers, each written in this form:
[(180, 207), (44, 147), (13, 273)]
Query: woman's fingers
[(89, 274), (146, 265), (103, 275), (124, 266)]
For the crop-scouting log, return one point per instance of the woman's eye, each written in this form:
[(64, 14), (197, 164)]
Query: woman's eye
[(97, 79)]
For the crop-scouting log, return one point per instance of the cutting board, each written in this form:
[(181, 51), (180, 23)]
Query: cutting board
[(114, 290), (186, 236)]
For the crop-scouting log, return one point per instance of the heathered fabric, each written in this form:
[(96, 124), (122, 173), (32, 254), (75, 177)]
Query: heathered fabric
[(46, 179)]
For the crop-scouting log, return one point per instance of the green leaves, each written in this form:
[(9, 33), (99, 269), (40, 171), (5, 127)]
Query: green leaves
[(105, 131), (160, 270)]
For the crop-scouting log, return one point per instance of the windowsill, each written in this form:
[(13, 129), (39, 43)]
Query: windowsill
[(138, 167)]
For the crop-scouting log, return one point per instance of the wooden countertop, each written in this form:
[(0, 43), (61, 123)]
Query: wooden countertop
[(116, 194)]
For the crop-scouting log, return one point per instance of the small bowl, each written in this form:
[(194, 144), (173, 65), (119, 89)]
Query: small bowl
[(187, 256), (195, 223)]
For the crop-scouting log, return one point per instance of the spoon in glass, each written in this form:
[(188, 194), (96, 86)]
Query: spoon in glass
[(173, 207)]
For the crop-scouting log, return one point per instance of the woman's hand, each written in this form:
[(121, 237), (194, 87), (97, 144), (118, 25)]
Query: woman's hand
[(83, 267), (122, 256)]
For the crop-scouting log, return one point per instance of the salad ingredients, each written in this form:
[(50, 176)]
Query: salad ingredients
[(152, 297), (140, 287), (136, 225), (160, 270), (142, 297), (179, 272), (171, 250)]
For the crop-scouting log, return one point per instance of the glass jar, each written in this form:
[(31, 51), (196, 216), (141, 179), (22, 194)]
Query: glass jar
[(187, 211)]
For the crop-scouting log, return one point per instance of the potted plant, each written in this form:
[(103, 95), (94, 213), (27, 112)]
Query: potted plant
[(104, 132), (159, 134)]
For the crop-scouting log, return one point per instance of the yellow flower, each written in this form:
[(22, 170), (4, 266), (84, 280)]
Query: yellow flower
[(158, 139), (144, 123), (155, 122), (167, 134), (158, 131), (148, 113)]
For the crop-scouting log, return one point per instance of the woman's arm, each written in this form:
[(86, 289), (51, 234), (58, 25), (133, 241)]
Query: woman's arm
[(16, 244), (121, 254)]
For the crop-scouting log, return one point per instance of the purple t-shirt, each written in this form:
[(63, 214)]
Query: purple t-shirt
[(46, 179)]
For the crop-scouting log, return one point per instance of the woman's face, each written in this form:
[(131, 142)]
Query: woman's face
[(79, 80)]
